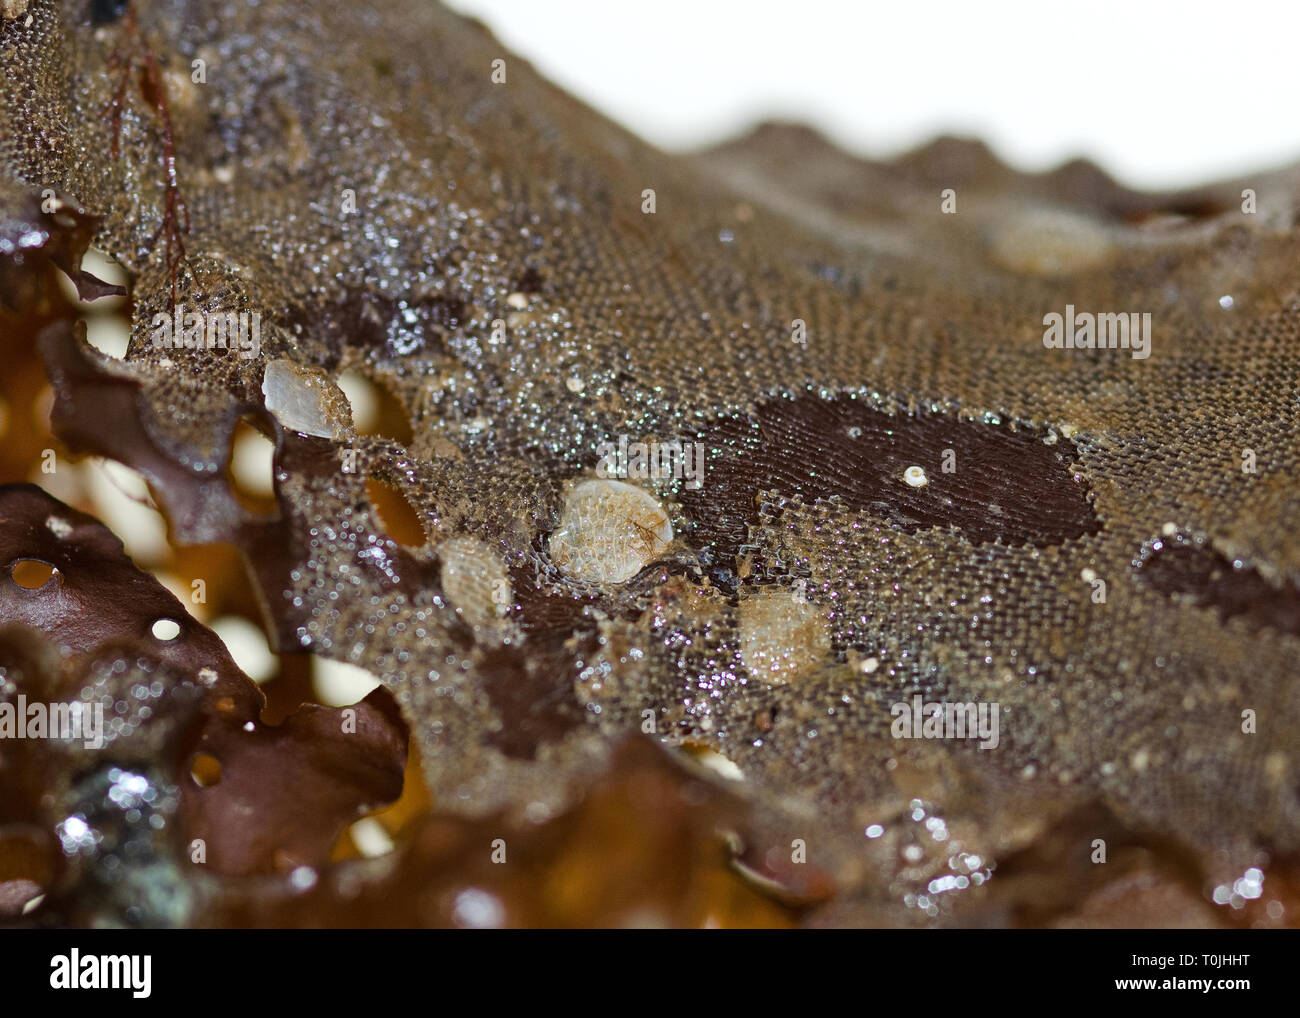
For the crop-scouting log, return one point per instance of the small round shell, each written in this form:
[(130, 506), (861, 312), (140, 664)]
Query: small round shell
[(609, 531)]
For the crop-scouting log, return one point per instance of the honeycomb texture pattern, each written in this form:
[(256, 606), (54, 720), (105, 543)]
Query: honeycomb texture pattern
[(484, 252)]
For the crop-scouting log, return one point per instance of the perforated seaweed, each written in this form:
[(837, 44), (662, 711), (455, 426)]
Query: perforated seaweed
[(905, 492)]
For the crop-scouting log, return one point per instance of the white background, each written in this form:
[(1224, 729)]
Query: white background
[(1160, 94)]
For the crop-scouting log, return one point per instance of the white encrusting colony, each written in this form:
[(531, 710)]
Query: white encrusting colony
[(609, 531)]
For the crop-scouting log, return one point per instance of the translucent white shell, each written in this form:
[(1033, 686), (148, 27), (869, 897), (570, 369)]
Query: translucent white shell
[(1049, 243), (609, 531), (305, 400), (781, 636), (474, 580)]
